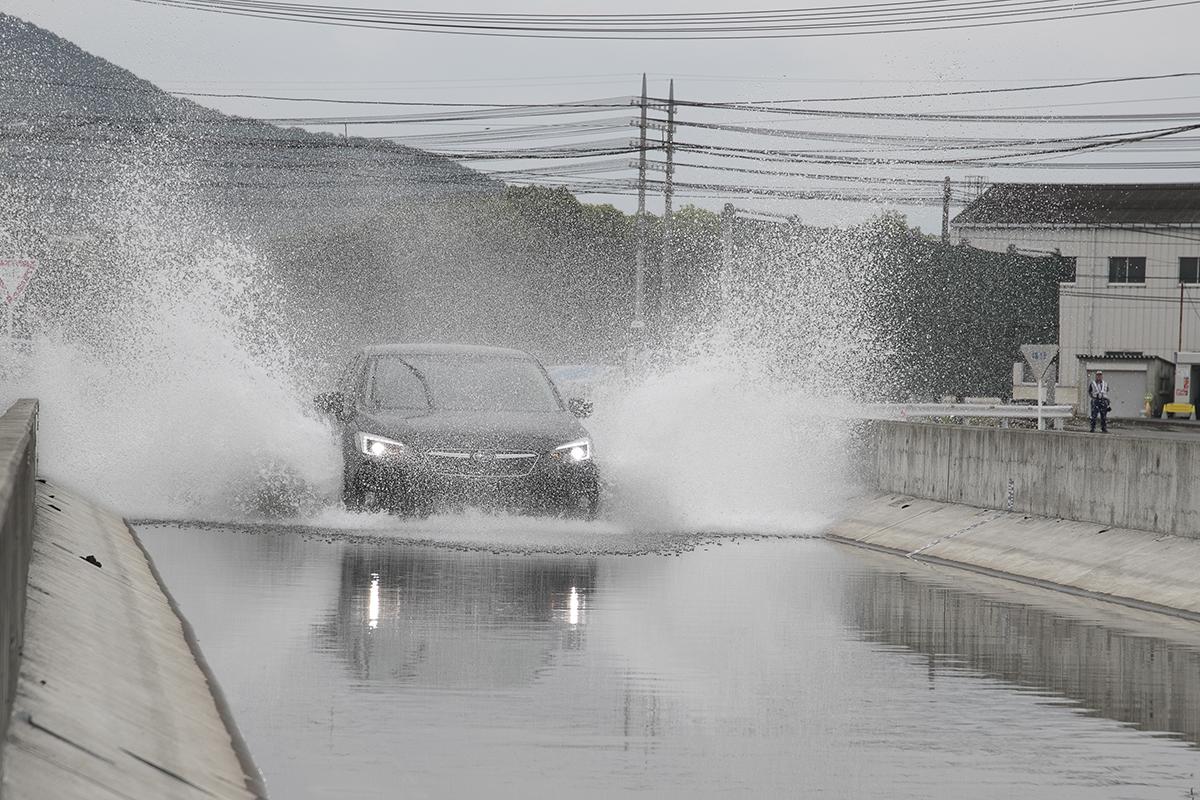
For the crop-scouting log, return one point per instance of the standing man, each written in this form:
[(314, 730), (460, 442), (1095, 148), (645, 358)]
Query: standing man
[(1098, 392)]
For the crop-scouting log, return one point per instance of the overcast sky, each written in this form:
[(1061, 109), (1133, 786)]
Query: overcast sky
[(191, 50)]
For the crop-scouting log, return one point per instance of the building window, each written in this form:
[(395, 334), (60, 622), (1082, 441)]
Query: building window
[(1189, 270), (1127, 269), (1066, 269)]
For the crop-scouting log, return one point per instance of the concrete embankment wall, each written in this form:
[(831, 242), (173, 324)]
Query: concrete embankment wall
[(18, 466), (111, 697), (1150, 484), (1107, 517)]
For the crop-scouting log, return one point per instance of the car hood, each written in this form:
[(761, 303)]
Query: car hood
[(464, 430)]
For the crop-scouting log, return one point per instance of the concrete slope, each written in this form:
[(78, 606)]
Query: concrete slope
[(111, 701), (1136, 568)]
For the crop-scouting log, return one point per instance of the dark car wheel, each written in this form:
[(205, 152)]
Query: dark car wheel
[(353, 497), (593, 508), (583, 507), (396, 500)]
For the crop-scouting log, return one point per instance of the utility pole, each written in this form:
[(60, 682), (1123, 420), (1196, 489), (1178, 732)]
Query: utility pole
[(668, 207), (725, 269), (639, 284), (946, 212), (1180, 350)]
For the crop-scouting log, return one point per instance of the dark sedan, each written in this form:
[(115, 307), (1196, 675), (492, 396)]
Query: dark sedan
[(430, 427)]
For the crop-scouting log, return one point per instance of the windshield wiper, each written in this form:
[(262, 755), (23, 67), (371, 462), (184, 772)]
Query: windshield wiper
[(420, 376)]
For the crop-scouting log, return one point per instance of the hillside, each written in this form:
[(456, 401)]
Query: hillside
[(346, 242), (349, 241), (69, 118)]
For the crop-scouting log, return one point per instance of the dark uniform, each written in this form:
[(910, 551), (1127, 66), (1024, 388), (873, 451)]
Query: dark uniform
[(1098, 391)]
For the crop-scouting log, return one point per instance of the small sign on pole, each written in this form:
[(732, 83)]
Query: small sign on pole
[(15, 274), (1039, 358)]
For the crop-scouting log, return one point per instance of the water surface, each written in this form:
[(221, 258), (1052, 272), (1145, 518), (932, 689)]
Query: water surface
[(405, 667)]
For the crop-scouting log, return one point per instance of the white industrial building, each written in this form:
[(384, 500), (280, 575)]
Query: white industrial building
[(1129, 291)]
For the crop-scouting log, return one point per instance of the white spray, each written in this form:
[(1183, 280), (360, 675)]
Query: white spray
[(170, 386)]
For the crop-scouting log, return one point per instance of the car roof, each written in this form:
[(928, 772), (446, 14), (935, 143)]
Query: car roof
[(440, 349)]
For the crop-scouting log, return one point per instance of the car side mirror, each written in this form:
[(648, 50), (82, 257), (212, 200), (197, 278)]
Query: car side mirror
[(579, 407), (334, 404)]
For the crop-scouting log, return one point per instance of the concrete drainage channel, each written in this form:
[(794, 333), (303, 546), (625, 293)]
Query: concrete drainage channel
[(106, 695), (105, 692), (1109, 518)]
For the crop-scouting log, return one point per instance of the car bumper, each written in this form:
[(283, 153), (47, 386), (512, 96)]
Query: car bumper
[(548, 487)]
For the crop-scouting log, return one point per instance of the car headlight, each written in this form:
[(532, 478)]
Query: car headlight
[(573, 452), (379, 446)]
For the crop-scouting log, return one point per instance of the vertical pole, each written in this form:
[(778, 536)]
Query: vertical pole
[(946, 212), (12, 342), (1180, 350), (726, 267), (1041, 397), (639, 283), (668, 209)]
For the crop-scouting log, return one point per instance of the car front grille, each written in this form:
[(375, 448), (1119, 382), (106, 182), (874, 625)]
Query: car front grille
[(480, 464)]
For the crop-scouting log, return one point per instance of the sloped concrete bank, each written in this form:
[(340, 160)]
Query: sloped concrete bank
[(113, 699), (1146, 570)]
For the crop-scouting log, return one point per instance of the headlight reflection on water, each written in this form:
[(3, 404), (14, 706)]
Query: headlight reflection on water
[(373, 602), (573, 603), (569, 606)]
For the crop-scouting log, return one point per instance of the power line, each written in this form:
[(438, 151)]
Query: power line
[(814, 175), (1030, 152), (567, 170), (844, 98), (717, 190), (943, 117), (514, 133), (607, 147), (854, 20), (825, 158), (926, 142), (1173, 300), (576, 164), (472, 112), (481, 110), (150, 90), (1002, 90), (376, 150)]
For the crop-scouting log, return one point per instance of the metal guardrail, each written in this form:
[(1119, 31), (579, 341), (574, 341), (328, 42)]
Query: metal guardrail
[(18, 468), (902, 411)]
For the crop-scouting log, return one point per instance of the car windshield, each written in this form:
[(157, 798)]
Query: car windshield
[(461, 383)]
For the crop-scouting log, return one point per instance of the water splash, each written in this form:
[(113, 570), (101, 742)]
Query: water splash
[(736, 428), (162, 362), (702, 447), (175, 382)]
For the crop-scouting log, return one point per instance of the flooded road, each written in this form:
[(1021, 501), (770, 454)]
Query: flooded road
[(407, 666)]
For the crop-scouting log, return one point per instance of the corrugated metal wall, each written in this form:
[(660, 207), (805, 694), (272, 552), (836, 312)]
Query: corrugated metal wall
[(1096, 316)]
